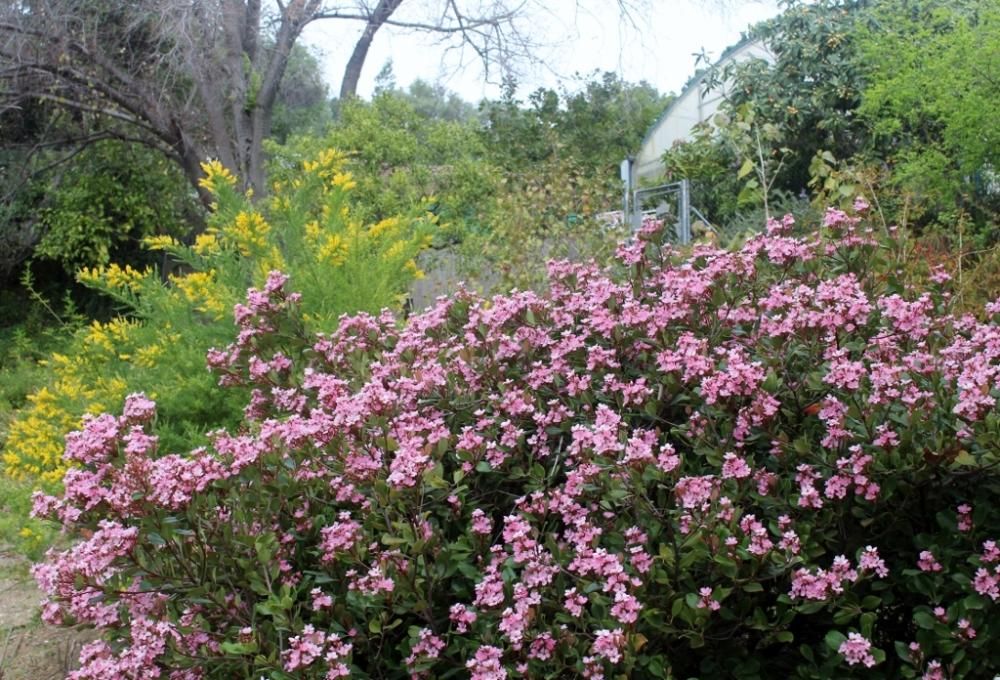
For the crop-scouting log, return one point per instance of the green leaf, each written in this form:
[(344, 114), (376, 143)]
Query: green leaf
[(871, 602), (834, 639), (925, 620), (239, 648)]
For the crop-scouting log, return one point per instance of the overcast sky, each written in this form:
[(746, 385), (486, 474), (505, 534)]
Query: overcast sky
[(582, 35)]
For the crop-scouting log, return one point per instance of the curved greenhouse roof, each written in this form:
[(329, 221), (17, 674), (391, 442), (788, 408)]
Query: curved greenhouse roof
[(695, 104)]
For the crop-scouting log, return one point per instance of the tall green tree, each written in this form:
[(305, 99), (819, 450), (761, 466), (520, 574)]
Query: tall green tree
[(931, 101), (811, 90), (598, 124)]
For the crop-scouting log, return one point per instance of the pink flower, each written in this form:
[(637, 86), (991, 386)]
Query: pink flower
[(304, 649), (574, 602), (965, 629), (927, 562), (95, 442), (339, 537), (991, 553), (320, 600), (870, 561), (609, 644), (138, 409), (823, 584), (934, 671), (734, 467), (626, 607), (667, 460), (706, 600), (481, 524), (694, 492), (486, 664), (428, 646), (987, 583), (462, 617), (541, 647), (965, 518), (856, 649)]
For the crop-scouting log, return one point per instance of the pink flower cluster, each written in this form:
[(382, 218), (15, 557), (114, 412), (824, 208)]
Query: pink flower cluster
[(311, 645), (823, 584), (857, 649)]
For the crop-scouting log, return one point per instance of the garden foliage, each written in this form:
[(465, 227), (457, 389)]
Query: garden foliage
[(930, 104), (895, 91), (166, 324), (777, 461)]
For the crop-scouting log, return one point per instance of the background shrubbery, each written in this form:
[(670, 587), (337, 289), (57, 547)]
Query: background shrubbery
[(166, 324)]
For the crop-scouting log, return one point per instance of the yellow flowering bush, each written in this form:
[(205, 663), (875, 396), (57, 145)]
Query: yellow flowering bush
[(157, 344)]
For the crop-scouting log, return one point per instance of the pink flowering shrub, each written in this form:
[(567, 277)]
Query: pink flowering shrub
[(773, 462)]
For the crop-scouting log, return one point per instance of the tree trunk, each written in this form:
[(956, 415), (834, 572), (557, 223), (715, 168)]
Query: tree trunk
[(352, 73), (191, 158)]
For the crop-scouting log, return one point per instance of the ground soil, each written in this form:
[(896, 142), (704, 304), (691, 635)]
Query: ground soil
[(30, 650)]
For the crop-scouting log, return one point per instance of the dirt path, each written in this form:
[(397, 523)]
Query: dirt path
[(30, 650)]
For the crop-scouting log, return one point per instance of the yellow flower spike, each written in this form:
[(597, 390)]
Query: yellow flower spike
[(88, 276), (216, 175), (334, 250), (205, 244), (415, 271), (394, 251), (313, 230), (160, 243), (344, 180), (384, 226), (97, 335), (248, 232), (200, 289), (125, 278), (147, 357)]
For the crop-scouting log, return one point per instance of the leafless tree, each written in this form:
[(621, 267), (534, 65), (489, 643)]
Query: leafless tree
[(199, 78), (194, 78)]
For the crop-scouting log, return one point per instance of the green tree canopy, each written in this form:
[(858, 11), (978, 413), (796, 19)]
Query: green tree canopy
[(931, 99), (598, 124)]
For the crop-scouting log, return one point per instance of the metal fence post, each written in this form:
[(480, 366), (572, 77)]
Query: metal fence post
[(684, 219)]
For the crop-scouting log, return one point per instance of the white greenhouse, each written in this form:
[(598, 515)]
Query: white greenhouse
[(643, 196), (695, 104)]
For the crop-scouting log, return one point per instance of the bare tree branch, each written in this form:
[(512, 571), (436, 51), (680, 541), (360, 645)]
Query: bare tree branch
[(200, 78)]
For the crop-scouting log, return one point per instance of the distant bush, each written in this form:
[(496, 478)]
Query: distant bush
[(778, 461), (159, 341), (548, 211)]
